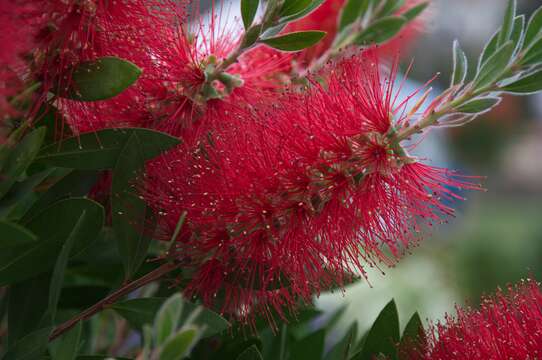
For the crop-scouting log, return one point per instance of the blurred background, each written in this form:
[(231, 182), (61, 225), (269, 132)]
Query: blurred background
[(496, 237)]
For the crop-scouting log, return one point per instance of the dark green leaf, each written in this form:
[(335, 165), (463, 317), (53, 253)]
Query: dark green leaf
[(101, 79), (478, 105), (31, 347), (508, 22), (460, 65), (57, 278), (22, 195), (291, 7), (294, 41), (310, 347), (129, 213), (313, 6), (495, 66), (534, 29), (27, 303), (529, 84), (352, 10), (14, 235), (414, 11), (76, 183), (100, 150), (413, 336), (67, 346), (26, 261), (142, 311), (251, 353), (19, 158), (344, 347), (534, 54), (381, 30), (248, 11), (179, 345), (383, 336)]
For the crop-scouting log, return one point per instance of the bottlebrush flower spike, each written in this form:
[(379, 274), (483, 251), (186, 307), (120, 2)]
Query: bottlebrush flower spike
[(291, 196), (508, 326)]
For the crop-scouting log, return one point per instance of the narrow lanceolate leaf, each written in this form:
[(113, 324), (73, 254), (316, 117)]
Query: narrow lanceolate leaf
[(167, 318), (479, 105), (460, 65), (414, 11), (383, 336), (248, 11), (53, 227), (101, 79), (100, 150), (291, 7), (352, 11), (306, 11), (414, 335), (130, 215), (62, 263), (294, 41), (508, 23), (14, 235), (495, 66), (179, 345), (533, 54), (251, 353), (529, 84), (67, 346), (517, 33), (381, 30), (33, 346), (390, 7), (489, 49), (19, 158), (534, 29)]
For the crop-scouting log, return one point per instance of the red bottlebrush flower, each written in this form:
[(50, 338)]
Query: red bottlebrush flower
[(291, 196), (508, 326)]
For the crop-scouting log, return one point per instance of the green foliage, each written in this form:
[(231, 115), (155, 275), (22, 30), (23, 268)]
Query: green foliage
[(381, 30), (294, 41), (248, 11), (352, 10)]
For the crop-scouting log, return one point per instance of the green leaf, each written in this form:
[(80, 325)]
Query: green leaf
[(101, 79), (19, 158), (390, 7), (14, 235), (530, 84), (495, 66), (344, 347), (381, 30), (27, 304), (414, 334), (167, 318), (415, 11), (286, 19), (31, 347), (67, 346), (294, 41), (479, 105), (489, 49), (459, 73), (251, 353), (179, 345), (383, 336), (352, 10), (143, 311), (291, 7), (52, 226), (248, 11), (533, 54), (76, 183), (100, 150), (310, 347), (517, 32), (129, 213), (508, 22), (57, 278), (534, 29)]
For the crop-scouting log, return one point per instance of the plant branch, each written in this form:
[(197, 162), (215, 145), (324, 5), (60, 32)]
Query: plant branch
[(113, 297)]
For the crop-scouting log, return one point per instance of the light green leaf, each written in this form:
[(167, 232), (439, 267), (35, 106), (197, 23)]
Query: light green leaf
[(19, 158), (294, 41), (508, 22), (351, 11), (534, 29), (167, 318), (530, 84), (381, 30), (100, 150), (390, 7), (495, 66), (459, 73), (415, 11), (101, 79), (66, 347), (479, 105), (130, 215), (489, 49), (533, 54), (248, 11), (179, 345), (251, 353)]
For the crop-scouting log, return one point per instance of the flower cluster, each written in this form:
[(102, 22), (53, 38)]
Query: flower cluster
[(288, 198)]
